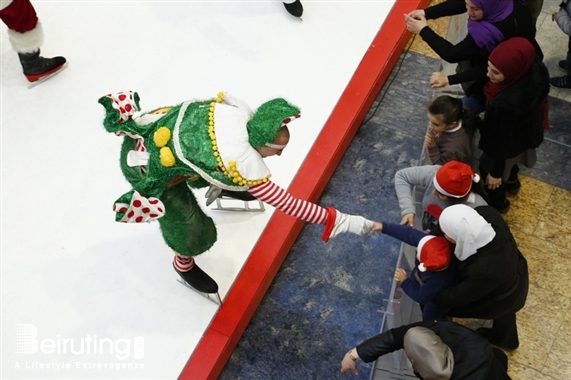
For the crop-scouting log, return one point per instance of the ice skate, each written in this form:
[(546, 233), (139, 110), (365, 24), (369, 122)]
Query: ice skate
[(295, 8), (38, 69), (233, 200), (200, 282)]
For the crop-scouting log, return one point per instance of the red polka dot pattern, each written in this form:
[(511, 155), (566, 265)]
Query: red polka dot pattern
[(124, 103), (140, 210)]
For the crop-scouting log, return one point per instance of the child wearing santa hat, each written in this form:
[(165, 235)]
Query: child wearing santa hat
[(443, 186), (435, 268)]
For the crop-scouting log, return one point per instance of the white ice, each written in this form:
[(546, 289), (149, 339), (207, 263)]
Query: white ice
[(72, 278)]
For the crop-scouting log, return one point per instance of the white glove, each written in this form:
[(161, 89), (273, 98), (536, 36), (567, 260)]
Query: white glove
[(351, 223)]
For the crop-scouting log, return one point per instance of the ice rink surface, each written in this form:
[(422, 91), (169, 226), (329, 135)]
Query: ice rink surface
[(83, 296)]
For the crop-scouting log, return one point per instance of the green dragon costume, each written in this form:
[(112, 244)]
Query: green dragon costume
[(171, 150)]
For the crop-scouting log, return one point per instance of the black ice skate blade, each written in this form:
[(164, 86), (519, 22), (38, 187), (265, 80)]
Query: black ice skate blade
[(245, 208), (43, 79), (209, 296)]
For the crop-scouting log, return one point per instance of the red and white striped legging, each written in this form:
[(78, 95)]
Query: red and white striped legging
[(272, 194)]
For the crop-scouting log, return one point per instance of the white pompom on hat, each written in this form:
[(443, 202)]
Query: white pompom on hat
[(454, 179)]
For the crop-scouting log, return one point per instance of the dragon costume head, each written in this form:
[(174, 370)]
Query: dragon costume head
[(268, 119)]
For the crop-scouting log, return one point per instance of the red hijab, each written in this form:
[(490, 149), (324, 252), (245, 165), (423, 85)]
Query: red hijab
[(513, 58)]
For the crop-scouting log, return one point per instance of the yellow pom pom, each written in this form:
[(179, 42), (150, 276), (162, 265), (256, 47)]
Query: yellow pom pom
[(166, 157), (162, 136)]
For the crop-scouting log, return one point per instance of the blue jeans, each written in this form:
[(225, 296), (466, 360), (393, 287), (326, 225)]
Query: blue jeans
[(473, 104)]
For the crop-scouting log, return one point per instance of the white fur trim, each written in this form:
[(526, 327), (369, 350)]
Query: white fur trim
[(4, 4), (233, 142), (180, 155), (27, 42), (238, 103), (421, 244)]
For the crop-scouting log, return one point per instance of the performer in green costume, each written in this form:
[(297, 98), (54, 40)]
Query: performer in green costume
[(219, 142)]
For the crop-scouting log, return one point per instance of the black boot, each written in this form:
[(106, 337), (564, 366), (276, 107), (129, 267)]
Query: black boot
[(295, 8), (198, 279), (216, 192), (493, 338), (240, 195), (37, 67), (513, 185)]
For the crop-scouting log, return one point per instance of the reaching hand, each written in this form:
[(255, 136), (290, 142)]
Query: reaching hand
[(417, 14), (348, 364), (415, 25), (438, 80), (350, 223), (377, 227)]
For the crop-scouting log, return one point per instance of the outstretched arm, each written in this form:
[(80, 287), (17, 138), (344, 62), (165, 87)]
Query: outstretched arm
[(272, 194), (335, 221)]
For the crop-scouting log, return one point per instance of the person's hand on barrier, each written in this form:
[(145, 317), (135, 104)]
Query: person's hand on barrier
[(415, 25), (407, 220), (400, 275), (438, 80), (417, 14)]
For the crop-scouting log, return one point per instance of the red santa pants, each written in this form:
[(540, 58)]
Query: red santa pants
[(19, 16)]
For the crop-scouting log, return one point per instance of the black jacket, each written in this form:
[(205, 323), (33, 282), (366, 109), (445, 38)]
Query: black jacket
[(494, 281), (473, 59), (513, 122), (474, 358)]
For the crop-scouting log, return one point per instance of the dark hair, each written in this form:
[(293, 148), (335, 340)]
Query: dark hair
[(450, 108)]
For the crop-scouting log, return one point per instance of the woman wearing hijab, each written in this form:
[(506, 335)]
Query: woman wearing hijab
[(516, 114), (489, 23), (493, 272)]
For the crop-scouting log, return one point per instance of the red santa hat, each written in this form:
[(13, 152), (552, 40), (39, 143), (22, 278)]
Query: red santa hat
[(454, 179), (434, 253)]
